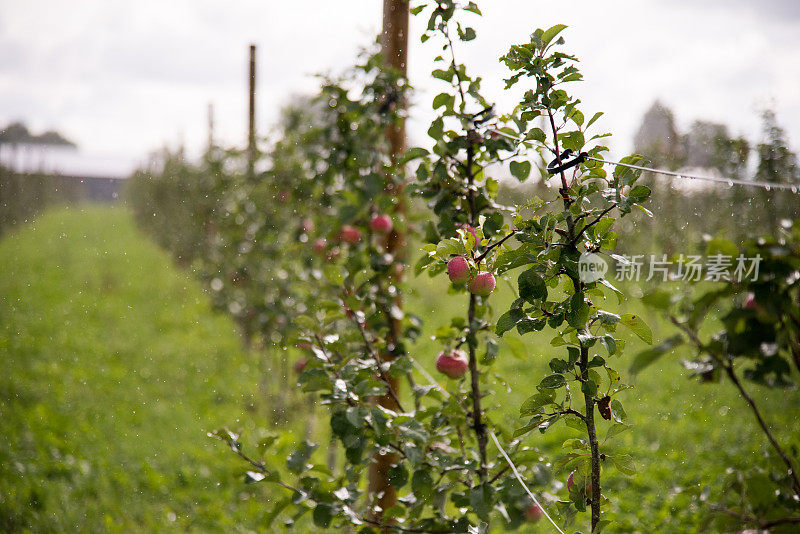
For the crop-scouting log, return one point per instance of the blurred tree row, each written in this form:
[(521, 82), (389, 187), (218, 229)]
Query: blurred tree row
[(689, 209)]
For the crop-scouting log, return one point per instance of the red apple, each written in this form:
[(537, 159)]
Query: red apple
[(307, 226), (483, 284), (454, 363), (381, 224), (750, 302), (533, 513), (350, 234), (458, 270), (320, 245)]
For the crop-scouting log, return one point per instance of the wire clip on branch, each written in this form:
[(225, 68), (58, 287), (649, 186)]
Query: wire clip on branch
[(565, 163)]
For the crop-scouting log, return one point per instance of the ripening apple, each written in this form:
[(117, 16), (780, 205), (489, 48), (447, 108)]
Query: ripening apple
[(307, 226), (533, 513), (333, 254), (320, 245), (299, 365), (458, 270), (453, 363), (381, 224), (750, 301), (350, 234), (483, 284)]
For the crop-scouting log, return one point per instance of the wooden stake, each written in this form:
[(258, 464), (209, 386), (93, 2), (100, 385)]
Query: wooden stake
[(210, 126), (251, 121), (394, 44)]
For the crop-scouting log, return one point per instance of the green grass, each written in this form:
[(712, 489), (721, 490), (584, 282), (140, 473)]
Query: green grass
[(113, 367)]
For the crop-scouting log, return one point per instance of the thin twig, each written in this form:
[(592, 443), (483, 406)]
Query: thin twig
[(495, 245), (374, 354)]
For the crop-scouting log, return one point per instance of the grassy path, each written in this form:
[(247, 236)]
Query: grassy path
[(112, 368)]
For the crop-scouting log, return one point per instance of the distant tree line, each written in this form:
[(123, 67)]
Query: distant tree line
[(18, 133), (685, 211)]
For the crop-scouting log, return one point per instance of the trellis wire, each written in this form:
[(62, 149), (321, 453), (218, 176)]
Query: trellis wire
[(729, 181), (513, 467), (794, 188)]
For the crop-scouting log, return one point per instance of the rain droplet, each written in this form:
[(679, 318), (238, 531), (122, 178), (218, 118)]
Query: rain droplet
[(768, 188), (794, 189), (730, 183)]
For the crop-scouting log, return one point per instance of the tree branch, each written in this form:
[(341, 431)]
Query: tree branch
[(730, 372)]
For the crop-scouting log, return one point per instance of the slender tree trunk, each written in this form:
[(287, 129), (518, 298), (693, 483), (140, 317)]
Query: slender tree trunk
[(594, 446)]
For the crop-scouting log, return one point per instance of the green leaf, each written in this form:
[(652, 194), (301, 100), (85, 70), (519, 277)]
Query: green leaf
[(468, 34), (578, 312), (323, 514), (520, 170), (297, 462), (594, 118), (550, 34), (473, 8), (609, 343), (572, 140), (491, 351), (624, 462), (618, 412), (397, 476), (449, 247), (722, 246), (412, 154), (422, 484), (553, 381), (530, 325), (508, 320), (649, 356), (333, 274), (560, 366), (598, 528), (638, 327), (531, 286), (534, 403), (442, 99), (575, 443), (480, 499)]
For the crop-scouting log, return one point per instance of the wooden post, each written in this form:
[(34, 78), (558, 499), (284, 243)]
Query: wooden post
[(251, 116), (394, 44)]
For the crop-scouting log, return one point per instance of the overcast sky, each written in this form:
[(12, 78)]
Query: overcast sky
[(122, 77)]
